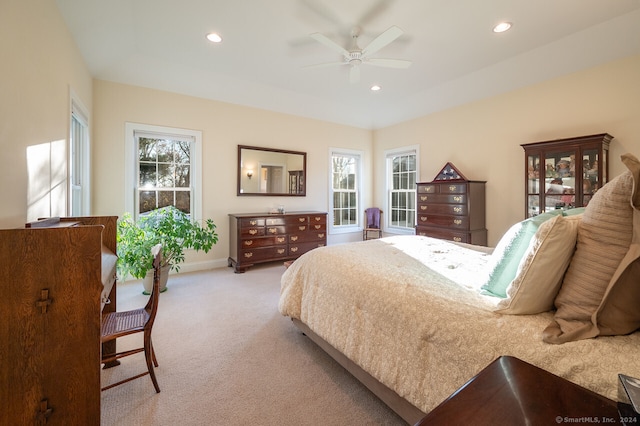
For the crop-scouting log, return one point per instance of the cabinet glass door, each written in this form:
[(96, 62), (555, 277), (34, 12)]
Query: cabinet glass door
[(560, 180), (590, 182), (533, 185)]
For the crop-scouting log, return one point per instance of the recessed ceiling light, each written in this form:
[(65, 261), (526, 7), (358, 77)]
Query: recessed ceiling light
[(375, 88), (214, 38), (502, 27)]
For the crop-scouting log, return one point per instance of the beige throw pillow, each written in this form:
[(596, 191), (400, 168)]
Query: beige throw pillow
[(604, 238), (619, 312), (542, 267)]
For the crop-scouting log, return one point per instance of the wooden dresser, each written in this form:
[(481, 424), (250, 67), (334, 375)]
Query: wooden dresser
[(263, 237), (451, 207)]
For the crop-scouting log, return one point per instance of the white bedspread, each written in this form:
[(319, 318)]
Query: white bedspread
[(407, 310)]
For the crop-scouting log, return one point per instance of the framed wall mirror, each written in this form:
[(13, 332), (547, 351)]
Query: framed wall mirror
[(269, 171)]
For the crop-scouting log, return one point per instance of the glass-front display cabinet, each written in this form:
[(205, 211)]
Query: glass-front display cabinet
[(564, 173)]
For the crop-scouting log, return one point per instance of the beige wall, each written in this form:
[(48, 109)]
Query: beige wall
[(40, 66), (482, 139), (224, 126)]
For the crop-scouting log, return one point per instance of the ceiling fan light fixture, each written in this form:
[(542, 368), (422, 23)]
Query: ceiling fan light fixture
[(502, 27), (214, 38)]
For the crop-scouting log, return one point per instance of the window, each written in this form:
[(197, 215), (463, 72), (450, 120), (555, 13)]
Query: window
[(401, 183), (165, 169), (79, 202), (345, 190)]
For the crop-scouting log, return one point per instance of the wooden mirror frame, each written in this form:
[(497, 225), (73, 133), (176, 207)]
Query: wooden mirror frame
[(250, 171)]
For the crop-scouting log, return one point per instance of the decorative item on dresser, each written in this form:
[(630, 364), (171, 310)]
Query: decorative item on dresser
[(264, 237), (564, 173), (451, 207)]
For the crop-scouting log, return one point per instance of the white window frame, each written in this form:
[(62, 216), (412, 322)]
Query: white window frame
[(131, 178), (358, 156), (389, 154), (79, 169)]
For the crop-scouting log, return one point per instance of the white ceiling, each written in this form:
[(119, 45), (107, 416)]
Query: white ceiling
[(456, 56)]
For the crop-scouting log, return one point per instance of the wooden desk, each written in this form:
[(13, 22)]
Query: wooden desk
[(511, 391)]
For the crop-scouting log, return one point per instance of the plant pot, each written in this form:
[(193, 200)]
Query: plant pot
[(147, 281)]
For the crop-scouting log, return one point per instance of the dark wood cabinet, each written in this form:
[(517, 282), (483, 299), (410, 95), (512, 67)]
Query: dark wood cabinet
[(52, 283), (564, 173), (262, 237), (452, 207)]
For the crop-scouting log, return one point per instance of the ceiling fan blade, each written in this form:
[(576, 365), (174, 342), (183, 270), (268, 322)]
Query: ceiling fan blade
[(388, 63), (321, 38), (323, 11), (382, 40), (374, 11), (354, 74), (325, 64)]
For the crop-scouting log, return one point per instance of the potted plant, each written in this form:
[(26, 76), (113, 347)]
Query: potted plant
[(168, 226)]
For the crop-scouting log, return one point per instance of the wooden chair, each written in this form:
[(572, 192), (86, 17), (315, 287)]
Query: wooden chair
[(372, 223), (119, 324)]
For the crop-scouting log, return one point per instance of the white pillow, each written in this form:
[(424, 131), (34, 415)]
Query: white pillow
[(542, 268)]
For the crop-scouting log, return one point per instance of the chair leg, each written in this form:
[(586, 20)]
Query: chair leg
[(149, 356)]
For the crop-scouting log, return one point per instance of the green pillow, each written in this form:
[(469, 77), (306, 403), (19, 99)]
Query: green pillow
[(509, 251)]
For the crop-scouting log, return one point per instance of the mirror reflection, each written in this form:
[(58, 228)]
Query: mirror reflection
[(268, 171)]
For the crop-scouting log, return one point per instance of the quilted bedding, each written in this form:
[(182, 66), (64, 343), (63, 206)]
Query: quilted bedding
[(409, 311)]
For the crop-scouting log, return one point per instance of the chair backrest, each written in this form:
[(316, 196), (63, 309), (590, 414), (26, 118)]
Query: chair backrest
[(152, 303), (372, 217)]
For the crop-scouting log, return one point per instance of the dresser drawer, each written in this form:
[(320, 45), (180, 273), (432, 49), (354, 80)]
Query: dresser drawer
[(447, 209), (297, 228), (454, 222), (452, 188), (275, 230), (304, 237), (251, 222), (315, 219), (263, 253), (442, 198), (252, 232), (275, 221), (297, 220), (444, 234), (299, 249), (263, 241)]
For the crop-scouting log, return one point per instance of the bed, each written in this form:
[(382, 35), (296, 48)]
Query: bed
[(414, 318)]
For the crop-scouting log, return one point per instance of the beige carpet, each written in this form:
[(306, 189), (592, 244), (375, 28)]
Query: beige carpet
[(227, 357)]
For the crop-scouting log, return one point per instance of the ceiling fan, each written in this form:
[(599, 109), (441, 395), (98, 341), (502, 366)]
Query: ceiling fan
[(356, 56)]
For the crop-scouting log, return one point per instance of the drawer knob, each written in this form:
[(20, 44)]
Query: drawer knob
[(280, 251), (423, 198), (457, 239), (318, 218), (423, 218), (253, 231), (457, 221), (253, 222), (318, 226), (294, 249), (457, 209), (248, 254), (301, 219), (428, 189), (247, 242), (280, 239), (457, 198), (302, 228), (452, 188), (272, 230), (321, 235), (294, 238), (423, 207)]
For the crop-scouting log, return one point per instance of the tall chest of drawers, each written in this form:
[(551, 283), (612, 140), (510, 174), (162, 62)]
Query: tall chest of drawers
[(262, 237), (452, 208)]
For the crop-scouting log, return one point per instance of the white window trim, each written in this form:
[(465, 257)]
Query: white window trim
[(411, 149), (344, 229), (78, 109), (130, 156)]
